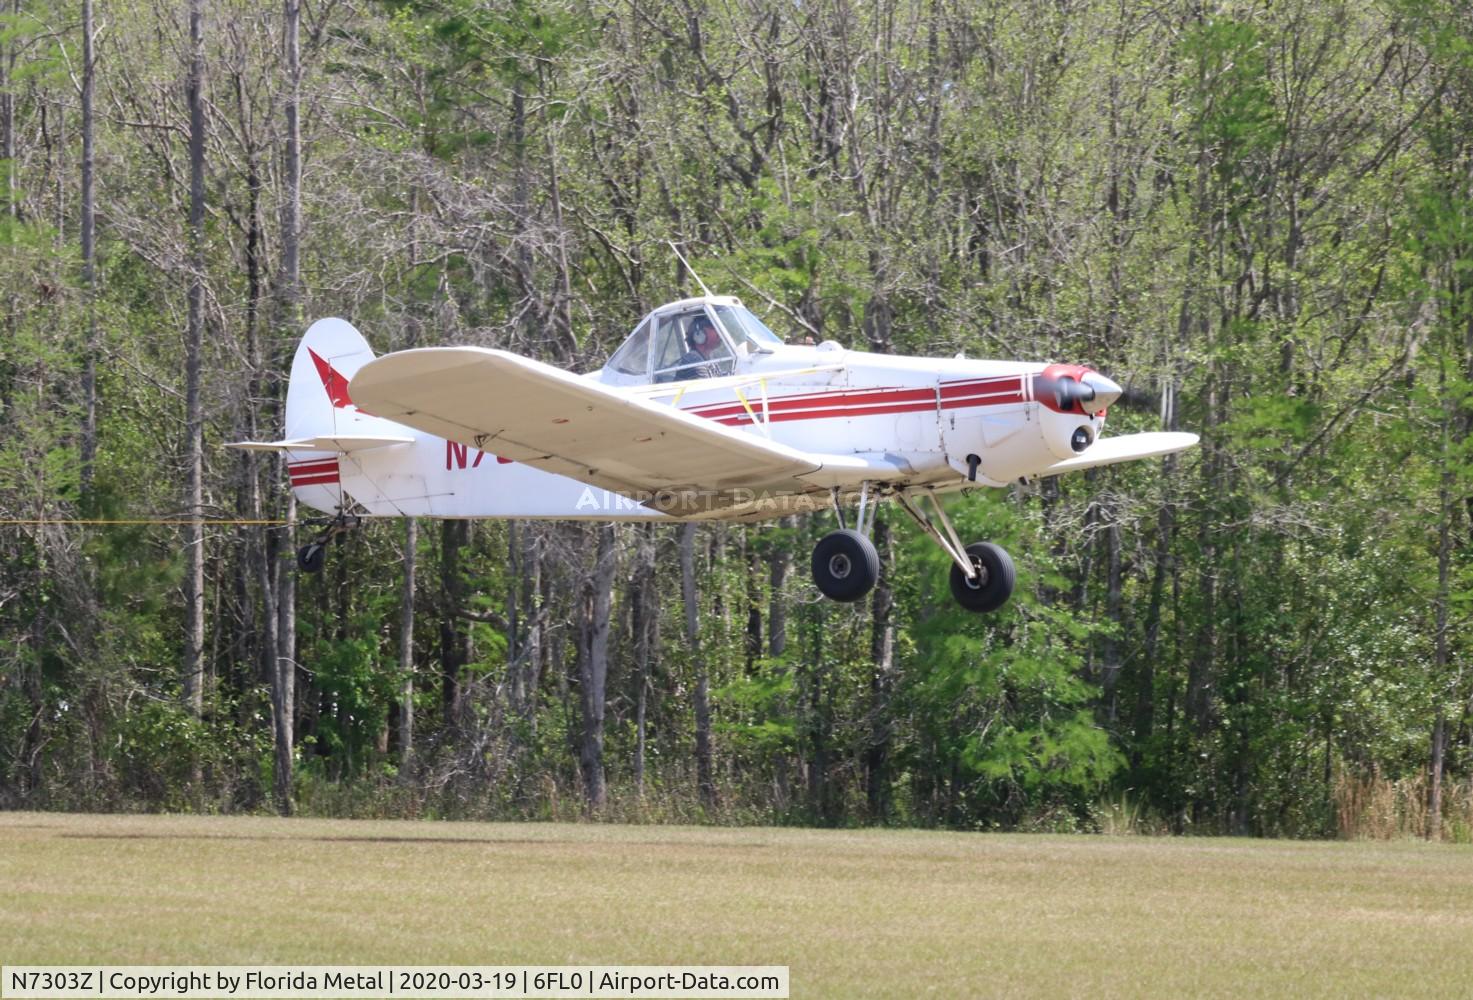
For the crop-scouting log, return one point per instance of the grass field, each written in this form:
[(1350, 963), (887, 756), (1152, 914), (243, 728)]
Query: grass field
[(853, 913)]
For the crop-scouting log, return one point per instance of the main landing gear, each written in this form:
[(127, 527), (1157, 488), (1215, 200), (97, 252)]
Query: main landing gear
[(846, 566), (310, 557), (982, 574)]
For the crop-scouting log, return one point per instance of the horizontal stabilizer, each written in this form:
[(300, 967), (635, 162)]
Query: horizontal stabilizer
[(1108, 451), (341, 443)]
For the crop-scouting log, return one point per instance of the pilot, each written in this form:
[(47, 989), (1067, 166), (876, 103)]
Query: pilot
[(701, 337)]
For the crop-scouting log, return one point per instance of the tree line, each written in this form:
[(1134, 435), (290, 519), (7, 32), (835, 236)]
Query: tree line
[(1258, 217)]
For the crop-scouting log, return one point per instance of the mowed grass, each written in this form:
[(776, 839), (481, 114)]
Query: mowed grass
[(853, 913)]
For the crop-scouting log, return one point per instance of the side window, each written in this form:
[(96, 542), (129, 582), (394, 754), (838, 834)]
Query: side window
[(670, 341), (678, 356), (633, 357)]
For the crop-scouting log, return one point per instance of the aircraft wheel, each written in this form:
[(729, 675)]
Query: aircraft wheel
[(845, 565), (992, 586), (311, 557)]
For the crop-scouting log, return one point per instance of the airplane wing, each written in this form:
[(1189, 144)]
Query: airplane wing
[(1127, 448), (553, 420), (344, 443)]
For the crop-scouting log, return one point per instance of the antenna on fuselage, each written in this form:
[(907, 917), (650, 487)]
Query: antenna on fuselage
[(692, 270)]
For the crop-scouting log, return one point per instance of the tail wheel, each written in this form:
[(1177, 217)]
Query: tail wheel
[(310, 557), (845, 565), (992, 584)]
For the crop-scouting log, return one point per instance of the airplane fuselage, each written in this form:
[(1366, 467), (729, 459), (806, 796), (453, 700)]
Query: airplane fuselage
[(702, 413), (927, 415)]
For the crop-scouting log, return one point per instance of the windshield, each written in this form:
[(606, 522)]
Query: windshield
[(746, 329), (633, 357)]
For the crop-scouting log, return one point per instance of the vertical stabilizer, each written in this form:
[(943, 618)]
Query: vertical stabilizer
[(317, 400), (318, 405)]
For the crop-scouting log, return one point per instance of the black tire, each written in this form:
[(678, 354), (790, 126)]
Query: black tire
[(845, 565), (310, 557), (995, 578)]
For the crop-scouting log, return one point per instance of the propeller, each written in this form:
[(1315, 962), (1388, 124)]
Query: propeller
[(1091, 392), (1135, 395)]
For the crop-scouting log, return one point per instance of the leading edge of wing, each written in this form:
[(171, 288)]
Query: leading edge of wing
[(1127, 448), (543, 416)]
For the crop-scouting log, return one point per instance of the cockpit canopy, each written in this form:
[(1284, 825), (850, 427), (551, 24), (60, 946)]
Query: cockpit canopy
[(693, 338)]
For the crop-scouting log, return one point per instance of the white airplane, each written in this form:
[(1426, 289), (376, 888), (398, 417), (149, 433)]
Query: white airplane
[(702, 414)]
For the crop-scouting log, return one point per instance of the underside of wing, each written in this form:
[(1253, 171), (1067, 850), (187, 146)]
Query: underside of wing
[(1128, 448), (343, 443), (550, 419)]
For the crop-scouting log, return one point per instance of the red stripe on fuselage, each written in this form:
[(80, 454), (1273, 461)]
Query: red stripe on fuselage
[(313, 467), (969, 387), (997, 391), (824, 400), (314, 472)]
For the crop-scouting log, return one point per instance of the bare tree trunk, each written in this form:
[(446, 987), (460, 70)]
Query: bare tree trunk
[(291, 207), (285, 677), (752, 648), (514, 644), (646, 641), (1440, 650), (89, 275), (1145, 700), (817, 723), (267, 547), (289, 305), (535, 600), (1144, 718), (702, 697), (266, 550), (882, 681), (264, 547), (454, 640), (1114, 611), (194, 540), (281, 703), (593, 666), (411, 555), (564, 310), (7, 119), (406, 647), (1201, 669), (33, 770), (781, 564)]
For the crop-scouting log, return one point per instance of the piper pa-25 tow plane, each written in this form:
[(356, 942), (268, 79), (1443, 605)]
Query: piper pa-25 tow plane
[(702, 414)]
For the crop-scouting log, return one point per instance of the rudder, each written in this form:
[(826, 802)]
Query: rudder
[(320, 407), (317, 399)]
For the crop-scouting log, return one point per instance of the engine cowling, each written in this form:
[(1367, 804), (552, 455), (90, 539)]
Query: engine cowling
[(1072, 403)]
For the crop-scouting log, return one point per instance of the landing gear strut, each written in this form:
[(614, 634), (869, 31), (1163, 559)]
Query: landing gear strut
[(845, 564), (310, 557), (982, 574)]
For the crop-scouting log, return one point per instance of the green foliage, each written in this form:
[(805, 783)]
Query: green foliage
[(1235, 212), (756, 711), (1002, 696), (1235, 119)]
